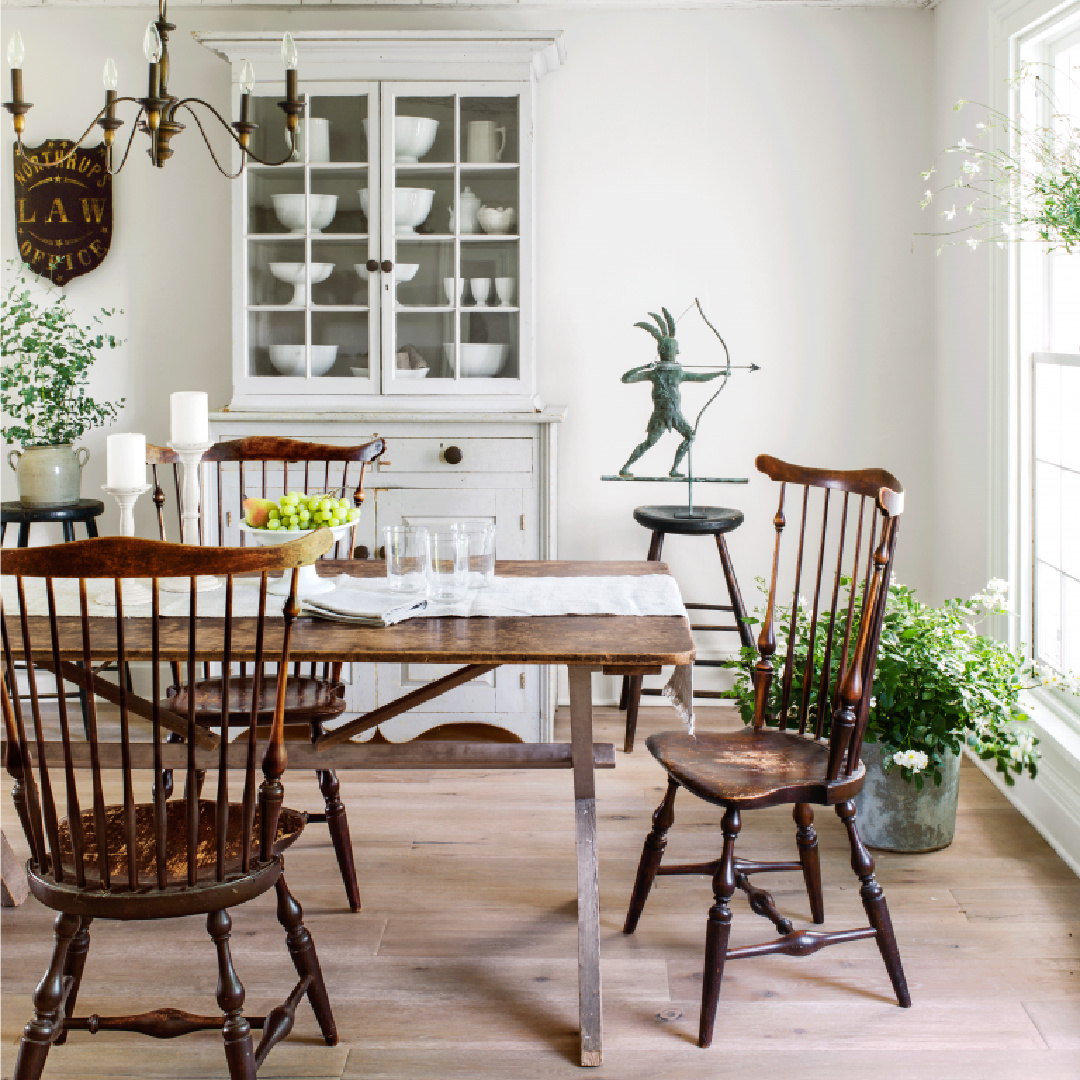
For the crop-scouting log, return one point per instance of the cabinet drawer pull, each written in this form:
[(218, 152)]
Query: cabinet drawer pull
[(372, 266), (452, 455)]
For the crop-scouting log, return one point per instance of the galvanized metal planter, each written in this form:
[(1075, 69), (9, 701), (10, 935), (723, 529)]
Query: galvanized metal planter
[(49, 475), (893, 816)]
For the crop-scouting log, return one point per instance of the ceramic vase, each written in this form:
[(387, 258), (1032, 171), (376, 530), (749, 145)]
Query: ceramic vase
[(49, 475)]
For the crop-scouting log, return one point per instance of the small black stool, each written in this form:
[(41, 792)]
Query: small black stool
[(85, 510), (708, 521)]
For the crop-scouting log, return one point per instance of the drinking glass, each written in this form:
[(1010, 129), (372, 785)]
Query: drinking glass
[(480, 288), (448, 574), (504, 287), (481, 541), (408, 557)]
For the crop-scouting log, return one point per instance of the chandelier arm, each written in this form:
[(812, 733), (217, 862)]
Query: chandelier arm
[(186, 103), (127, 149), (71, 153), (202, 132)]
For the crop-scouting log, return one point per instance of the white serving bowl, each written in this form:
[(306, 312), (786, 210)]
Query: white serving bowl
[(294, 274), (413, 137), (289, 359), (290, 211), (402, 271), (495, 219), (479, 360), (309, 583), (411, 207), (410, 373), (359, 372)]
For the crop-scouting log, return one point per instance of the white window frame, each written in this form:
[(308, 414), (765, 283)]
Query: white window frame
[(1023, 29)]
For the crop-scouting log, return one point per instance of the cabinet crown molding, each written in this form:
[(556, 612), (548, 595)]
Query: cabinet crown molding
[(381, 54)]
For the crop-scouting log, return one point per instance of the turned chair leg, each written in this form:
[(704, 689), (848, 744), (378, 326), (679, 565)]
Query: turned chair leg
[(73, 968), (42, 1031), (305, 959), (338, 823), (719, 928), (652, 853), (239, 1052), (873, 898), (806, 838)]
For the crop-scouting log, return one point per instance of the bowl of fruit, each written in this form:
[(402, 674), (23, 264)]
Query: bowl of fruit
[(293, 515)]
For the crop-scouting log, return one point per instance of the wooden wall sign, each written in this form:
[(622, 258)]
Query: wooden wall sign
[(63, 213)]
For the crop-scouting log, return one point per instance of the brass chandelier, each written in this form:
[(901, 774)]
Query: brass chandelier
[(158, 110)]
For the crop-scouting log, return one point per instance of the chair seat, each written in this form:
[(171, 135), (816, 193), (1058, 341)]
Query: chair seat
[(751, 768), (707, 520), (290, 826), (306, 700)]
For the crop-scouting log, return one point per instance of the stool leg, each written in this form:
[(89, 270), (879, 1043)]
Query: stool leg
[(91, 528), (631, 689), (69, 531), (24, 534), (739, 608), (3, 531)]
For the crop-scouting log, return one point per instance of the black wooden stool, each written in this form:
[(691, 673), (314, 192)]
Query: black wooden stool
[(85, 510), (713, 521)]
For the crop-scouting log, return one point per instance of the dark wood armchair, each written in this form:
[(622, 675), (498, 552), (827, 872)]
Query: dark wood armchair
[(265, 467), (808, 725), (138, 859)]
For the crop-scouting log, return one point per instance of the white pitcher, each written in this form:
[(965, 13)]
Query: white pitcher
[(486, 141)]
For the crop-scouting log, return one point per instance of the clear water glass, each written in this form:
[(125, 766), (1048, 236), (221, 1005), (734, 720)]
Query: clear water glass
[(481, 539), (448, 574), (408, 557)]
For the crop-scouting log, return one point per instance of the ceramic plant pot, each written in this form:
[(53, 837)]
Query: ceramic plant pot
[(893, 816), (49, 475)]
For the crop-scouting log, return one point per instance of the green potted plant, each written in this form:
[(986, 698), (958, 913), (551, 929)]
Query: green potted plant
[(47, 355), (939, 685)]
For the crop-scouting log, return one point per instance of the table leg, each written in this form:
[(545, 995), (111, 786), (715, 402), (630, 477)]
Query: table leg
[(588, 870)]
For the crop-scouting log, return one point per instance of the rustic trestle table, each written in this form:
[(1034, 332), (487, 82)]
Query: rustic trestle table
[(613, 644)]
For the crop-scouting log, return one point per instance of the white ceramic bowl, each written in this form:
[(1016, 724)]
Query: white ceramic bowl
[(359, 372), (413, 137), (495, 219), (410, 373), (308, 582), (289, 359), (479, 360), (411, 207), (290, 211), (294, 274), (402, 271)]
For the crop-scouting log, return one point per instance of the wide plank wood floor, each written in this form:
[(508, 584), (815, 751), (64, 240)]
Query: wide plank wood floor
[(462, 963)]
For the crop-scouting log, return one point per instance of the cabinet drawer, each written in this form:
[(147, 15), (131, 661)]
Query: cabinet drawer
[(475, 455)]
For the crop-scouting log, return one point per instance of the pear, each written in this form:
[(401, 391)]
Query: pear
[(257, 512)]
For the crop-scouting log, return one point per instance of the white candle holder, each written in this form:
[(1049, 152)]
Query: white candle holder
[(133, 592), (190, 455)]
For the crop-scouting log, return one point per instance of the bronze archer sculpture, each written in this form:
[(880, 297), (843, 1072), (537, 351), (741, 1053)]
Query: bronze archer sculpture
[(666, 375)]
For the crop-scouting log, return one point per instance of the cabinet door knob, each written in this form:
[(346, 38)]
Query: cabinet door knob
[(452, 455), (387, 266), (372, 266)]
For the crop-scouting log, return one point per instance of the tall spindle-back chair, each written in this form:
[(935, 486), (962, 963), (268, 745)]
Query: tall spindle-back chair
[(266, 467), (808, 723), (129, 854)]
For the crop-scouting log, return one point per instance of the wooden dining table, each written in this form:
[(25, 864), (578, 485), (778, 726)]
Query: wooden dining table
[(612, 644)]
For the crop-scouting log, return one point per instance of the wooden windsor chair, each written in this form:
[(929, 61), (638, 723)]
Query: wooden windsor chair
[(145, 858), (314, 698), (824, 693)]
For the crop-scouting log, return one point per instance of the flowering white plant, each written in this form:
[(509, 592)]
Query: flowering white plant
[(1025, 188)]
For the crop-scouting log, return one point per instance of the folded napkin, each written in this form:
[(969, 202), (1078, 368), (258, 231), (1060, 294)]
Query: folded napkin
[(367, 607)]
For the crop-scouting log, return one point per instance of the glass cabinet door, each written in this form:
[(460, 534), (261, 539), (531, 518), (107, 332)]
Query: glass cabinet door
[(452, 174), (311, 300)]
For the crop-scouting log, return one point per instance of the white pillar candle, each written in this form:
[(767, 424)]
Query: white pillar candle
[(190, 414), (126, 460)]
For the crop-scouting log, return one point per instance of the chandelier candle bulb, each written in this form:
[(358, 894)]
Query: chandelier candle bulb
[(16, 53), (125, 454), (189, 412), (109, 78)]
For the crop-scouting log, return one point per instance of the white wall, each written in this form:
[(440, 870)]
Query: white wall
[(767, 160)]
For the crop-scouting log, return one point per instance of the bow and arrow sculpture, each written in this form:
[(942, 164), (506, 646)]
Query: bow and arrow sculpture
[(667, 375)]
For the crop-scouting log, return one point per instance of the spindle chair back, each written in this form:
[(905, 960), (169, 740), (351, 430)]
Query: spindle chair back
[(141, 857), (266, 466), (812, 685)]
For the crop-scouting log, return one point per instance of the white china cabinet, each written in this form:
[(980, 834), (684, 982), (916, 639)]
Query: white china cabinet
[(394, 257), (383, 285)]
